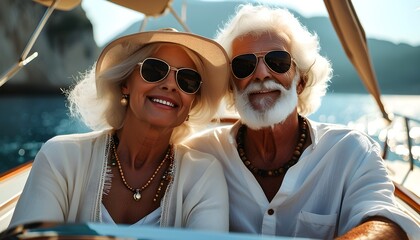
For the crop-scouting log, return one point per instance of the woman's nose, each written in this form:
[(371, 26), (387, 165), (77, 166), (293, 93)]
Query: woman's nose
[(169, 83)]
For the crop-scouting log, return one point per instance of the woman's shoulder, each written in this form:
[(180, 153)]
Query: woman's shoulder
[(78, 137), (71, 151), (76, 140)]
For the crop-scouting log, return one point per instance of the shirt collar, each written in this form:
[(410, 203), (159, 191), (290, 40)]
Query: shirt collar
[(313, 129)]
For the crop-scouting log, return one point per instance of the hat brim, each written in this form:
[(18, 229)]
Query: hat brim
[(212, 55), (64, 5)]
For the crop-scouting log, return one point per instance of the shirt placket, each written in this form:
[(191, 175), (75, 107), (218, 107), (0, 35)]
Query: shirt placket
[(269, 221)]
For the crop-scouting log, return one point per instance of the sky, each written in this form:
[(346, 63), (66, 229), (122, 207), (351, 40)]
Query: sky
[(397, 21)]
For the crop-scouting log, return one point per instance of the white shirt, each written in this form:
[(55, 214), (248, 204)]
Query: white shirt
[(339, 180)]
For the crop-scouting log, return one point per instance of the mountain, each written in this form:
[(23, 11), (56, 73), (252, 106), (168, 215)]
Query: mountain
[(396, 65), (65, 46)]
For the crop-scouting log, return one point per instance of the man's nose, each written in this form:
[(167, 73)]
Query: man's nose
[(262, 72)]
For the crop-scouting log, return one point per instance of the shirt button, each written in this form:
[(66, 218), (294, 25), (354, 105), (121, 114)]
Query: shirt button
[(270, 211)]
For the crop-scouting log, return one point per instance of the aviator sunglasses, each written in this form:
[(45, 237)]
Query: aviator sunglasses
[(154, 70), (244, 65)]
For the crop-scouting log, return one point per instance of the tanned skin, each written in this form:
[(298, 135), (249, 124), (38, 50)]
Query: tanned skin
[(376, 228)]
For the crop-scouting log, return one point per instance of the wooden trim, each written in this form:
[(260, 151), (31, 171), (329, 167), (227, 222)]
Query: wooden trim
[(15, 171), (9, 203), (10, 174), (229, 120), (225, 120), (408, 197)]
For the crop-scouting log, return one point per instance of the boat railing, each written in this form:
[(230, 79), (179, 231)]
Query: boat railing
[(402, 138), (409, 139)]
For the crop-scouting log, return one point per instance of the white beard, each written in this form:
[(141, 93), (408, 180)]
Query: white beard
[(284, 106)]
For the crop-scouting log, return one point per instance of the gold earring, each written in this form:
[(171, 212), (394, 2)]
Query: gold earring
[(124, 100)]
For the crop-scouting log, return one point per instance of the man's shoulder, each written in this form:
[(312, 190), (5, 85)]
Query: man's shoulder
[(213, 141), (195, 159), (183, 150), (331, 131), (322, 128)]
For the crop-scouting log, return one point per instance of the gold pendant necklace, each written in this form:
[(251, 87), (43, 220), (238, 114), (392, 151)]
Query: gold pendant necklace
[(137, 191)]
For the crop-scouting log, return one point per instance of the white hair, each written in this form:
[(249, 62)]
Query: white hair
[(95, 98), (256, 20)]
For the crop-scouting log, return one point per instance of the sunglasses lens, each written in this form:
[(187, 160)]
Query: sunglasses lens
[(188, 80), (278, 61), (154, 70), (243, 65)]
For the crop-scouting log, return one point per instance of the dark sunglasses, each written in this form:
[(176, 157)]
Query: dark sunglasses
[(244, 65), (154, 70)]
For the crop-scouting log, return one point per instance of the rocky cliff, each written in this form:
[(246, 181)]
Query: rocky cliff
[(65, 46)]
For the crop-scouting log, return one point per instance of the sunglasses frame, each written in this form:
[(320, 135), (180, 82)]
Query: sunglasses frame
[(262, 55), (170, 68)]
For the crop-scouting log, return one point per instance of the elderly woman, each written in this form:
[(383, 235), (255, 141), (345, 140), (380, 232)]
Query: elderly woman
[(147, 92)]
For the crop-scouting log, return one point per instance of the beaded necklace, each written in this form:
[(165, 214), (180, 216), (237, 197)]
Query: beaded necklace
[(240, 139), (137, 191)]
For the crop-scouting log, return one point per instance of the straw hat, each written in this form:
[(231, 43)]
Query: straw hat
[(64, 5), (212, 55)]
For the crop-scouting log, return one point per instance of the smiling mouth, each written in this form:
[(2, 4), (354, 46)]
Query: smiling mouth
[(264, 99), (263, 92), (163, 102)]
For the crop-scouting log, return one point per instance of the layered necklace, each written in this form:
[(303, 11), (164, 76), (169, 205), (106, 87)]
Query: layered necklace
[(166, 177), (303, 133)]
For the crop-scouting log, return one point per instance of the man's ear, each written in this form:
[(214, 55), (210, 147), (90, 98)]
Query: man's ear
[(302, 83)]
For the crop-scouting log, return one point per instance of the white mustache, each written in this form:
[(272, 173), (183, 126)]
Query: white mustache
[(268, 85)]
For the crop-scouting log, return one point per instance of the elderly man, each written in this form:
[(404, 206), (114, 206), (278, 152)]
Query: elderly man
[(288, 175)]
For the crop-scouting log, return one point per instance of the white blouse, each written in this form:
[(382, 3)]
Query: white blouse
[(68, 179), (152, 219)]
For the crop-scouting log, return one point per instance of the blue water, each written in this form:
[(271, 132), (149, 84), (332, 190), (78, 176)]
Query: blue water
[(26, 122)]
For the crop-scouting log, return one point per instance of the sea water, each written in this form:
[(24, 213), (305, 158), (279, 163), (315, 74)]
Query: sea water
[(26, 122)]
